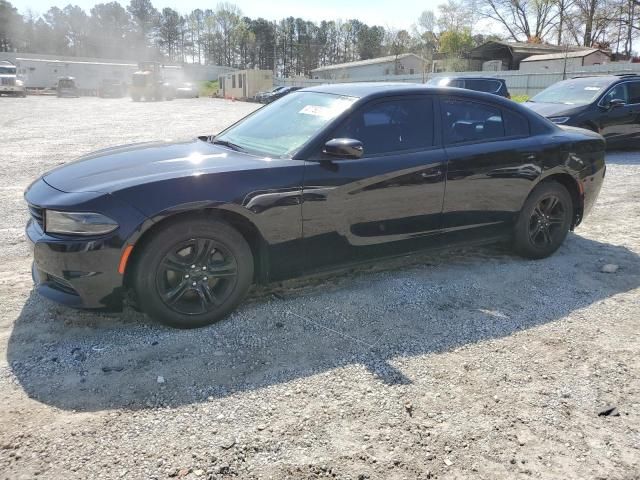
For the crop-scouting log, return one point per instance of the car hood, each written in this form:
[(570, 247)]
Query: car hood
[(121, 167), (554, 109)]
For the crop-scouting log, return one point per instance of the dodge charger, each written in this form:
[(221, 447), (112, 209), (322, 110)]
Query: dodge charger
[(324, 177)]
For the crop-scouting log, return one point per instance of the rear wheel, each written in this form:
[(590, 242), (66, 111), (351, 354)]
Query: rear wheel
[(193, 273), (544, 221)]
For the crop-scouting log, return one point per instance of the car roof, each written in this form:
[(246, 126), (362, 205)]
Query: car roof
[(374, 90), (371, 90), (610, 78), (463, 77), (365, 89)]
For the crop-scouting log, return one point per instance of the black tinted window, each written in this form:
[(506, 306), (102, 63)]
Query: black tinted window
[(465, 121), (391, 126), (490, 86), (515, 125), (619, 92), (634, 92)]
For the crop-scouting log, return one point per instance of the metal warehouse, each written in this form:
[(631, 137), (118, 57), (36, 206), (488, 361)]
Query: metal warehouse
[(558, 62), (405, 64)]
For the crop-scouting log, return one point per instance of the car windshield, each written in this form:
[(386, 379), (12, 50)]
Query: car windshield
[(577, 91), (282, 127)]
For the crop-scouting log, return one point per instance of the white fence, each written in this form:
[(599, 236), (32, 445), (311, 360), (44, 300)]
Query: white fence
[(519, 83)]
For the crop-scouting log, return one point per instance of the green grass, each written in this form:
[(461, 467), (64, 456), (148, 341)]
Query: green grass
[(520, 98), (208, 88)]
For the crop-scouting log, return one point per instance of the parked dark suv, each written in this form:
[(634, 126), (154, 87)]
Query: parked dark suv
[(497, 86), (275, 95), (609, 105)]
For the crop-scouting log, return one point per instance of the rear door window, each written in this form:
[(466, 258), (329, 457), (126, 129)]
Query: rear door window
[(515, 125), (634, 92), (468, 121), (619, 92)]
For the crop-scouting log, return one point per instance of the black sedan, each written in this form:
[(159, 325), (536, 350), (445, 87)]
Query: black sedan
[(328, 175)]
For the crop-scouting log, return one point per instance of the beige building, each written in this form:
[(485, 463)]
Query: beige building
[(556, 62), (245, 84), (405, 64)]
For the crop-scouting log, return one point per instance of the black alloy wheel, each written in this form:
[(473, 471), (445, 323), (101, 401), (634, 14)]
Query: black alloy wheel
[(192, 272), (544, 221), (196, 276)]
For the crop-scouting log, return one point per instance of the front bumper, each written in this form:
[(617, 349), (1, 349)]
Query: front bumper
[(79, 271), (76, 273), (11, 89)]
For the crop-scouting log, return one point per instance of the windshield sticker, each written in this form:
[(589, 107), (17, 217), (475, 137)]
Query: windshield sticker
[(317, 111)]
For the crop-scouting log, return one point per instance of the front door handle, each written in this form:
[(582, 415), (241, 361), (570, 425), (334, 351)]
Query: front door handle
[(435, 174), (529, 156)]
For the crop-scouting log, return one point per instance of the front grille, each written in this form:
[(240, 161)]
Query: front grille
[(37, 214), (9, 81)]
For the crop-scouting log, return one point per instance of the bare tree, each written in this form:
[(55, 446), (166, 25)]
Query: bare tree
[(524, 20)]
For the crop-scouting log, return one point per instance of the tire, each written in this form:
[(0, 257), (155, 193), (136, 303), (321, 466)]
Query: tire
[(178, 284), (544, 221)]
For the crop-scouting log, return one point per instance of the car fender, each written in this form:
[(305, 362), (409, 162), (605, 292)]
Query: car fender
[(189, 208)]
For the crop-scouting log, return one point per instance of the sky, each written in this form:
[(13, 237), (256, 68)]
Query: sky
[(391, 13)]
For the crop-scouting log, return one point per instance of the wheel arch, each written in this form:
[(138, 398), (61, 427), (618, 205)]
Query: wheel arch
[(574, 188), (241, 223)]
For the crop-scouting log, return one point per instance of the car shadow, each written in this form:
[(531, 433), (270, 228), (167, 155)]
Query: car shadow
[(418, 305)]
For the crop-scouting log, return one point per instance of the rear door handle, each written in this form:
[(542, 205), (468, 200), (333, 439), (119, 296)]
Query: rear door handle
[(529, 156)]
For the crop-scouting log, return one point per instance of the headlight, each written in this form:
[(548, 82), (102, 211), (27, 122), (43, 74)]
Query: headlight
[(559, 119), (19, 83), (78, 223)]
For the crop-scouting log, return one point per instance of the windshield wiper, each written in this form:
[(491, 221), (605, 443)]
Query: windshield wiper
[(228, 144)]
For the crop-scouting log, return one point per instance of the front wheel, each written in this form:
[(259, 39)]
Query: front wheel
[(193, 273), (544, 221)]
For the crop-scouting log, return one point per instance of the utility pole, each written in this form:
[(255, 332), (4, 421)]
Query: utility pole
[(564, 68), (275, 47)]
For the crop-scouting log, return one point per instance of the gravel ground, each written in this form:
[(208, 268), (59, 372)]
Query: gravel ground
[(471, 363)]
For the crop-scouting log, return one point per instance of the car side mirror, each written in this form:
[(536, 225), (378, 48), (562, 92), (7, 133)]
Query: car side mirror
[(343, 148), (615, 103)]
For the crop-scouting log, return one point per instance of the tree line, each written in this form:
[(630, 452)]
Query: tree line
[(294, 46)]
